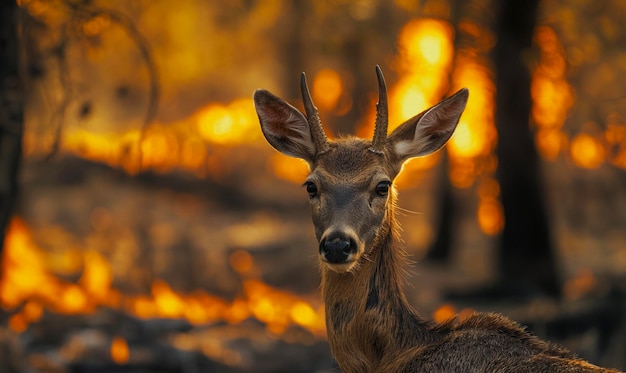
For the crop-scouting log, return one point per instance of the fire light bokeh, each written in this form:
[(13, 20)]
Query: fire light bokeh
[(206, 117)]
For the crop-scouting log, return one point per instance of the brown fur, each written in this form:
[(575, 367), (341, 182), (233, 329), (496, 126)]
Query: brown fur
[(371, 326)]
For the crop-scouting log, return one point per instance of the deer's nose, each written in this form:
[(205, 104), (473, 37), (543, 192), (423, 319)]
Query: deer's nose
[(337, 247)]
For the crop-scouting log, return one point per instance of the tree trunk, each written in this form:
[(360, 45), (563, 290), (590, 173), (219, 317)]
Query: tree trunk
[(11, 115), (526, 260), (441, 248)]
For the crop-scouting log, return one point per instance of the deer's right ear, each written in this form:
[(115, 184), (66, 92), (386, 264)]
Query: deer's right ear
[(284, 126)]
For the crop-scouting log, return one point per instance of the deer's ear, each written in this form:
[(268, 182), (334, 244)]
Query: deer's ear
[(425, 133), (284, 126)]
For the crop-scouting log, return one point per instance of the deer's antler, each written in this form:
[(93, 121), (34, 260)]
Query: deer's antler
[(315, 125), (382, 115)]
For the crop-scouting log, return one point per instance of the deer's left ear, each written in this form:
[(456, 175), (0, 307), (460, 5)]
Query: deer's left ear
[(425, 133), (284, 126)]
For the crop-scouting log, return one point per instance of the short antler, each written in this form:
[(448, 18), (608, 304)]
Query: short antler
[(315, 125), (382, 117)]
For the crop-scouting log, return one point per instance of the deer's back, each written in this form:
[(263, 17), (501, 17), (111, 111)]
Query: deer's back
[(487, 342)]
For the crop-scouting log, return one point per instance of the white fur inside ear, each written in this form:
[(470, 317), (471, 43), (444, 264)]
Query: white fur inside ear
[(407, 148)]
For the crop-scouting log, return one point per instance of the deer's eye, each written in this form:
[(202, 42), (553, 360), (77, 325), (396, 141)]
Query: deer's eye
[(311, 189), (382, 189)]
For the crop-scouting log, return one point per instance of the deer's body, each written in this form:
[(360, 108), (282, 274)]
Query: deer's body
[(371, 326)]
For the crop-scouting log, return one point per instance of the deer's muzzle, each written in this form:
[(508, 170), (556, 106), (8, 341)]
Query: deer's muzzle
[(338, 248)]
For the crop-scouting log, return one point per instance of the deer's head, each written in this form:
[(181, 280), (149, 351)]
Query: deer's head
[(350, 186)]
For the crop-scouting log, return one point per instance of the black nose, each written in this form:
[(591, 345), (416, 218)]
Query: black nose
[(336, 247)]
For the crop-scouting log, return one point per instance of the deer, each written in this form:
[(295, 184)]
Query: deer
[(370, 324)]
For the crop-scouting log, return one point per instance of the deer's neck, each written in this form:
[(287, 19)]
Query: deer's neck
[(367, 314)]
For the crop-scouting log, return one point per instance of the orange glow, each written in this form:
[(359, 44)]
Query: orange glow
[(97, 277), (427, 41), (169, 304), (488, 188), (161, 147), (24, 274), (444, 313), (550, 142), (27, 280), (120, 352), (410, 99), (490, 216), (327, 89), (424, 62), (587, 151), (32, 311), (551, 94), (278, 309), (232, 124), (288, 168), (18, 323), (476, 133), (413, 168), (471, 147), (157, 147), (425, 59), (466, 142), (73, 300)]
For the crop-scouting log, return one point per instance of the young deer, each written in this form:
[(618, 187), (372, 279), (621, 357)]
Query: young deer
[(371, 326)]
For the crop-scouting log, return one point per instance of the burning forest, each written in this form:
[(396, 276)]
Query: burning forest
[(153, 230)]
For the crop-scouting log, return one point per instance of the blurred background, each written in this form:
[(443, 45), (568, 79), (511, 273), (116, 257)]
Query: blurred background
[(150, 227)]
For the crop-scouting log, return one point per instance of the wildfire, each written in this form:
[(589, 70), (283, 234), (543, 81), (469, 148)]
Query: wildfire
[(27, 280)]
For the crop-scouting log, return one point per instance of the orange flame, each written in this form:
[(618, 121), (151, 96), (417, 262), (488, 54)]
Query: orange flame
[(28, 280)]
